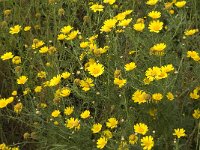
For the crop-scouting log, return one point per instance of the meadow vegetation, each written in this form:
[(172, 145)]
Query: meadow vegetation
[(99, 74)]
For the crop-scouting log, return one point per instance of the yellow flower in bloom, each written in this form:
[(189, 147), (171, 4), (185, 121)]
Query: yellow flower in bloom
[(3, 103), (108, 25), (68, 110), (44, 49), (133, 139), (72, 35), (14, 93), (157, 96), (16, 60), (85, 114), (155, 26), (170, 96), (10, 100), (96, 7), (112, 123), (190, 32), (96, 69), (139, 26), (179, 132), (86, 84), (37, 43), (26, 91), (130, 66), (14, 30), (72, 123), (119, 82), (7, 56), (55, 113), (101, 142), (22, 80), (196, 114), (139, 97), (107, 134), (194, 94), (61, 37), (109, 1), (154, 14), (194, 55), (147, 142), (84, 44), (41, 74), (66, 29), (64, 92), (141, 128), (158, 49), (167, 68), (96, 128), (180, 4), (38, 89), (18, 107), (65, 75), (168, 5), (151, 2), (27, 28), (125, 22), (55, 80)]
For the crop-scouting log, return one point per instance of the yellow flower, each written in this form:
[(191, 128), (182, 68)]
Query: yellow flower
[(96, 7), (130, 66), (26, 91), (72, 123), (170, 96), (38, 89), (155, 26), (96, 69), (41, 74), (84, 44), (55, 80), (16, 60), (72, 35), (109, 1), (107, 134), (55, 113), (27, 28), (157, 96), (151, 2), (194, 94), (65, 75), (37, 43), (96, 128), (14, 30), (194, 55), (61, 37), (22, 80), (180, 4), (141, 128), (119, 82), (44, 49), (139, 26), (68, 110), (133, 139), (124, 22), (190, 32), (179, 132), (101, 142), (139, 97), (14, 93), (158, 49), (18, 107), (66, 29), (85, 114), (108, 25), (154, 14), (167, 68), (112, 123), (64, 92), (147, 142), (3, 103), (196, 114), (86, 84), (7, 56)]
